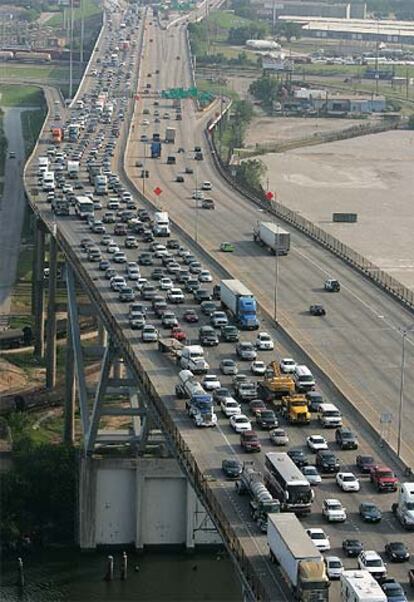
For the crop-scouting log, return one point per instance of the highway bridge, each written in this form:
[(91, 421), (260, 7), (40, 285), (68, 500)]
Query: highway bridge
[(354, 352)]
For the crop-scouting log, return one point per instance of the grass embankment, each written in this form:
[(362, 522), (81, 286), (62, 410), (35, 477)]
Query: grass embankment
[(3, 151), (54, 75), (91, 8)]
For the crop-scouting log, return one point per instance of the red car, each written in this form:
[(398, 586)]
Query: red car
[(383, 478), (178, 333), (250, 441), (190, 316)]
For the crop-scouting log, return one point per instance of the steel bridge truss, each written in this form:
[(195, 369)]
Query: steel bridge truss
[(117, 393)]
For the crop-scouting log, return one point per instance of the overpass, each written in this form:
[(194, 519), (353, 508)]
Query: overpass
[(137, 381)]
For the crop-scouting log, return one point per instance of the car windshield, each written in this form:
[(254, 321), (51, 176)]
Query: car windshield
[(335, 564), (334, 506), (374, 562), (310, 470), (318, 535), (348, 478), (353, 542), (387, 474), (232, 463), (306, 378)]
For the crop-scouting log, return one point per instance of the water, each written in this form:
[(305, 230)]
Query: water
[(66, 575)]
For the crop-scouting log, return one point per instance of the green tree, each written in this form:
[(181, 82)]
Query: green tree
[(411, 122), (250, 174), (266, 89), (238, 36)]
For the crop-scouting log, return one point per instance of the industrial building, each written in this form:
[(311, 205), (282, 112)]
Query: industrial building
[(396, 32), (270, 9), (322, 101)]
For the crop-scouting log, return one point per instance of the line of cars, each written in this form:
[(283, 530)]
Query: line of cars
[(244, 350)]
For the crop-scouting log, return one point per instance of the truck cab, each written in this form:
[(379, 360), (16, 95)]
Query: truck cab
[(404, 508)]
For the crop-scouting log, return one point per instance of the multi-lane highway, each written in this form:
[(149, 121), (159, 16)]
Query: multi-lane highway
[(342, 342), (358, 343)]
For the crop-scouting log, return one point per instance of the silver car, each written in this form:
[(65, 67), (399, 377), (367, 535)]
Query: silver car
[(246, 351), (279, 437), (228, 366)]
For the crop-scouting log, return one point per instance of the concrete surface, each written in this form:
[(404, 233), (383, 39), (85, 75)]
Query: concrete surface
[(372, 176), (11, 208), (264, 130)]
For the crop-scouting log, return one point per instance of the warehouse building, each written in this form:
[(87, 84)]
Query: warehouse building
[(272, 10)]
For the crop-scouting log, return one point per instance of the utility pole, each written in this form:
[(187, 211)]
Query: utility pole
[(82, 32), (71, 21)]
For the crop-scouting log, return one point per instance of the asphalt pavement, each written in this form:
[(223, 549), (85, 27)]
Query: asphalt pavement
[(11, 208)]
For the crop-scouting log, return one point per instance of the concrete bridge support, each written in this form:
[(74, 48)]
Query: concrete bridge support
[(38, 279), (69, 425), (51, 317)]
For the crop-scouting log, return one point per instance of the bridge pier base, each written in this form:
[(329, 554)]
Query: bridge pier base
[(69, 425), (38, 278), (51, 317)]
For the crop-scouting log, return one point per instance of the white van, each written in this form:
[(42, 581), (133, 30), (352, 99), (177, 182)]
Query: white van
[(42, 165), (304, 379), (48, 183), (329, 415)]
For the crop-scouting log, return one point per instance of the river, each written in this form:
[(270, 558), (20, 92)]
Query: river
[(66, 575)]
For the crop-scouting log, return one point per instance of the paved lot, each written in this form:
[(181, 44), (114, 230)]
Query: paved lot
[(371, 176), (283, 129)]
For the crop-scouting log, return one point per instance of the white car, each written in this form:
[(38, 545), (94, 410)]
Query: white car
[(334, 567), (347, 481), (218, 319), (311, 474), (230, 407), (141, 282), (106, 240), (198, 195), (228, 366), (316, 442), (333, 511), (166, 284), (112, 248), (206, 186), (372, 562), (210, 382), (319, 538), (120, 257), (205, 276), (240, 423), (175, 295), (133, 274), (149, 334), (145, 122), (258, 367), (117, 282), (264, 342), (287, 365)]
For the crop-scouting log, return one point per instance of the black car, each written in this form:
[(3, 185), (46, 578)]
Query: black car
[(202, 294), (208, 307), (314, 400), (230, 334), (157, 274), (298, 457), (352, 547), (172, 243), (369, 512), (345, 438), (326, 461), (396, 551), (179, 179), (232, 468), (394, 591), (220, 394), (266, 419), (208, 336), (317, 310), (145, 259), (365, 463)]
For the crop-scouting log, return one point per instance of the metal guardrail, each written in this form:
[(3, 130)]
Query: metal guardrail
[(360, 263)]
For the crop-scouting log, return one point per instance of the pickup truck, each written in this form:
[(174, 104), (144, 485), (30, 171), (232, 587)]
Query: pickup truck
[(383, 478)]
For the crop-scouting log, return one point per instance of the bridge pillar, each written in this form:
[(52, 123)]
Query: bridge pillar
[(38, 277), (102, 334), (191, 510), (87, 503), (51, 317), (69, 427)]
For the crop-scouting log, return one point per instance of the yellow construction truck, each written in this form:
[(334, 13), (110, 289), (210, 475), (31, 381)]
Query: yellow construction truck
[(275, 385), (295, 409)]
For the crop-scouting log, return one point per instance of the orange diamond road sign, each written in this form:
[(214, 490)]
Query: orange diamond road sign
[(269, 195), (157, 191)]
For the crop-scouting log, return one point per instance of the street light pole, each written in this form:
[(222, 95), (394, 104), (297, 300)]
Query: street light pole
[(404, 332), (196, 200), (276, 290)]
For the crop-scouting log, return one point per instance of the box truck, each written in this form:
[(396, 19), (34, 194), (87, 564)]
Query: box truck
[(273, 237)]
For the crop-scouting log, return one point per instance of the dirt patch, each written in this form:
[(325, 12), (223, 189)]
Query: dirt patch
[(11, 377), (267, 130)]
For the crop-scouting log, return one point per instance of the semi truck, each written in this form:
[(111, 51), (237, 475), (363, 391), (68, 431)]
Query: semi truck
[(57, 135), (404, 507), (199, 404), (273, 237), (101, 184), (262, 502), (299, 560), (360, 586), (155, 149), (237, 298), (170, 135), (73, 132), (161, 224), (73, 169)]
